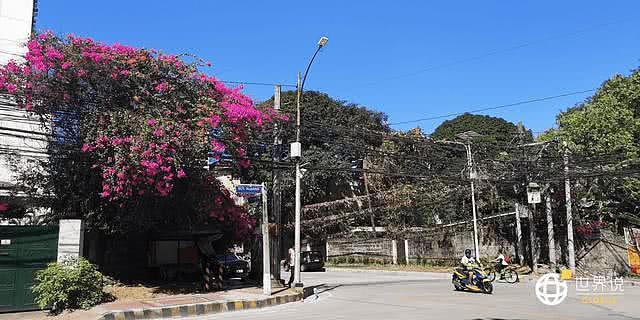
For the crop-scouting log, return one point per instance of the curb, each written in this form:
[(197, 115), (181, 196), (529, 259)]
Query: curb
[(200, 308)]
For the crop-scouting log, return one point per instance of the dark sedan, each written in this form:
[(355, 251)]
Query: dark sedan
[(311, 261), (233, 266)]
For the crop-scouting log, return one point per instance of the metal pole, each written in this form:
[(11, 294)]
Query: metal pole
[(567, 194), (365, 166), (300, 88), (473, 202), (296, 276), (275, 211), (266, 266)]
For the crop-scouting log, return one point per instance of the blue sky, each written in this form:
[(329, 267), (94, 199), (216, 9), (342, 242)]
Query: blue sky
[(409, 59)]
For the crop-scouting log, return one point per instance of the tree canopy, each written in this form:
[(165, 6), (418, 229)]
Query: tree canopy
[(129, 132), (603, 137), (493, 129)]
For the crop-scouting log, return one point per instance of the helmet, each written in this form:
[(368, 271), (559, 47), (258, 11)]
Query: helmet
[(467, 251)]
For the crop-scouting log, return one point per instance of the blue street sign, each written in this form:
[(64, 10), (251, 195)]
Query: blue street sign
[(253, 189)]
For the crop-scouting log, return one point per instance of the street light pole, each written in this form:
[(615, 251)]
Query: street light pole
[(300, 88), (296, 269)]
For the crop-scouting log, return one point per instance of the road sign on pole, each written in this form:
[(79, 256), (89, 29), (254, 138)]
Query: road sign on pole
[(252, 190), (249, 189), (266, 262)]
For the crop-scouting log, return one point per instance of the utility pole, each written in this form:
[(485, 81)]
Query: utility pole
[(365, 166), (532, 236), (550, 240), (532, 228), (519, 235), (567, 195), (266, 270), (473, 199), (276, 200), (467, 136)]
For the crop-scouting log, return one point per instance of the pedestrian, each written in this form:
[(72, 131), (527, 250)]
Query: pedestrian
[(292, 262)]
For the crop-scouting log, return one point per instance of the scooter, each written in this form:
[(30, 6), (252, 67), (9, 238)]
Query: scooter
[(478, 283)]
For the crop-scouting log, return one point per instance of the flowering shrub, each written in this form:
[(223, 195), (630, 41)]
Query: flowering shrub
[(144, 118)]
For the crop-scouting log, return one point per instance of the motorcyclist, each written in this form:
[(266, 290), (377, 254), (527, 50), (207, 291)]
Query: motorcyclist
[(468, 264)]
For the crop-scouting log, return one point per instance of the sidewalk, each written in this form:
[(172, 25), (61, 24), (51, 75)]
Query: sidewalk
[(173, 306)]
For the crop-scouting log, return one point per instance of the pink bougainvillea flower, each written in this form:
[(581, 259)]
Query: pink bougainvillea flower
[(162, 87), (11, 88), (142, 133)]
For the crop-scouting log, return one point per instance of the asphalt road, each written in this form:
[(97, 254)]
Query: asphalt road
[(391, 295)]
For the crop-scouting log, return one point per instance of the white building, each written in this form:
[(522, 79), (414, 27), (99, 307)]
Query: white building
[(21, 135)]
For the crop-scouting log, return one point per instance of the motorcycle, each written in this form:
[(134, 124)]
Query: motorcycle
[(479, 282)]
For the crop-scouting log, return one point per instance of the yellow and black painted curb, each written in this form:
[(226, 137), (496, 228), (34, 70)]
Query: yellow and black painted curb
[(200, 308)]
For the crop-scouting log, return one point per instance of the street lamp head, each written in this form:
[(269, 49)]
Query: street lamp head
[(323, 41)]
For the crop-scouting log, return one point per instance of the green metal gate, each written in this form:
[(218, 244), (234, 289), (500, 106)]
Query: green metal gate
[(23, 251)]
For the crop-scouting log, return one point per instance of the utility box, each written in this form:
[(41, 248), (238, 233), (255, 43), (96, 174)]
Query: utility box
[(296, 150), (533, 193)]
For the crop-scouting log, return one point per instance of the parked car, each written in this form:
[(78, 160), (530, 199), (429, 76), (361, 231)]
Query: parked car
[(233, 266), (311, 261)]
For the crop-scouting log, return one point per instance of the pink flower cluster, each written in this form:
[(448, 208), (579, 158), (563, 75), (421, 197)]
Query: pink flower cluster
[(139, 165), (150, 115), (225, 212)]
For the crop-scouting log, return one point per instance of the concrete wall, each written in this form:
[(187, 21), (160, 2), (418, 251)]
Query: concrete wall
[(441, 246)]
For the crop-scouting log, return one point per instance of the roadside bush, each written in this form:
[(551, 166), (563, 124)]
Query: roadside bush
[(72, 284)]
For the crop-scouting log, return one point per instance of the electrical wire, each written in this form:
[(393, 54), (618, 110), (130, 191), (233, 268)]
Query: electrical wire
[(533, 100)]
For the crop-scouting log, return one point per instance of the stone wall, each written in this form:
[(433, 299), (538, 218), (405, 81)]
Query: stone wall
[(441, 246), (606, 256), (375, 247)]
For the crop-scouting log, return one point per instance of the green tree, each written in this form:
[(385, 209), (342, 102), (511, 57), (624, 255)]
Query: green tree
[(334, 133), (496, 130), (603, 137)]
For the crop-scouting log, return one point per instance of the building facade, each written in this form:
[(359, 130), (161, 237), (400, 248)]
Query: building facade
[(22, 137)]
